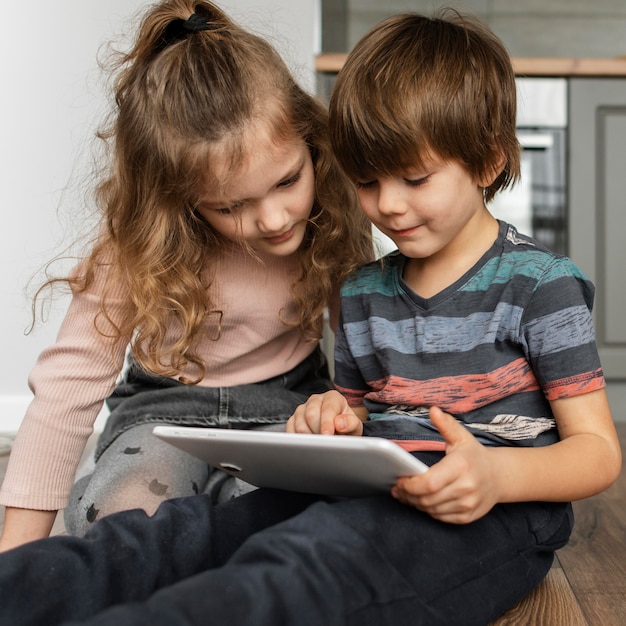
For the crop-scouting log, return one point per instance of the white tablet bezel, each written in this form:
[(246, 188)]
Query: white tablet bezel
[(330, 465)]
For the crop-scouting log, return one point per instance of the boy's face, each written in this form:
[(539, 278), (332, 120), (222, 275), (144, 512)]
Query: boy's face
[(424, 211)]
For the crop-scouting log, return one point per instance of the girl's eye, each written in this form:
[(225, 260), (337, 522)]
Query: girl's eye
[(229, 210), (290, 181)]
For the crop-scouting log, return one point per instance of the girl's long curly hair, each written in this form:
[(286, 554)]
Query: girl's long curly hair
[(173, 101)]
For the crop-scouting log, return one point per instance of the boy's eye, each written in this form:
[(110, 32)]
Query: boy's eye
[(416, 182)]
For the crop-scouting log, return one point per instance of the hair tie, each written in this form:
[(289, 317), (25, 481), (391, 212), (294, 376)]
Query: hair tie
[(178, 29)]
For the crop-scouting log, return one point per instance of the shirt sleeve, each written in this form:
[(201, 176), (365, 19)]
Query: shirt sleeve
[(70, 381), (348, 380), (559, 332)]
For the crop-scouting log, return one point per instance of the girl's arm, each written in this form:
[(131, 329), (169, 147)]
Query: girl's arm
[(70, 381), (472, 478), (24, 525)]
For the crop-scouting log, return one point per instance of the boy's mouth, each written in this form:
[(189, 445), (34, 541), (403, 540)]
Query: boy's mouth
[(404, 232)]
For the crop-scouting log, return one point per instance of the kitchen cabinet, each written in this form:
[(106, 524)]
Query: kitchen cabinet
[(597, 207)]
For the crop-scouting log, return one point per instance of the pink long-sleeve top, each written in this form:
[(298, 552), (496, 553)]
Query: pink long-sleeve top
[(73, 377)]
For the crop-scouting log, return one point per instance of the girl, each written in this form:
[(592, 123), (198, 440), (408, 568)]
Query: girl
[(226, 230)]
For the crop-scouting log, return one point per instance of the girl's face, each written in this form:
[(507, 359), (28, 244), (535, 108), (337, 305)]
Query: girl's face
[(267, 201)]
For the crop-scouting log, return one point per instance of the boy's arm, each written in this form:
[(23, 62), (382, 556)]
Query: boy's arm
[(584, 462), (472, 478), (327, 414)]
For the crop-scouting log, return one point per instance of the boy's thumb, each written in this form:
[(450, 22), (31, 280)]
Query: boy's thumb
[(449, 428)]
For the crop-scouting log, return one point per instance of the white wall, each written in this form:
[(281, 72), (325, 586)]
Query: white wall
[(52, 101)]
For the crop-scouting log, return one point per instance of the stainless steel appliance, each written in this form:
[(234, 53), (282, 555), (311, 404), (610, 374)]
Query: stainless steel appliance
[(537, 205)]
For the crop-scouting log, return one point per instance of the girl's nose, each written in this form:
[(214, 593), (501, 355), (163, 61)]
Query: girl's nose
[(271, 217)]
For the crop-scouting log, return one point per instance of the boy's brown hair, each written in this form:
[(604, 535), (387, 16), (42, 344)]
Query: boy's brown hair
[(416, 87)]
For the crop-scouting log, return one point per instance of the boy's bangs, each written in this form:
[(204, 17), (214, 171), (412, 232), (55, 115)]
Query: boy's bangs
[(373, 132), (378, 148)]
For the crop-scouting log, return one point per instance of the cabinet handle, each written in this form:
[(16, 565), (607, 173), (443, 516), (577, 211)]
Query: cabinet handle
[(532, 141)]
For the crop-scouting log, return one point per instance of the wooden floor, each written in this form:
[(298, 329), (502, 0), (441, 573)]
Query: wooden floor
[(587, 584)]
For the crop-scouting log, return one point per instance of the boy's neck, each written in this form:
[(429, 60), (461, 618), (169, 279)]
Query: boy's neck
[(429, 276)]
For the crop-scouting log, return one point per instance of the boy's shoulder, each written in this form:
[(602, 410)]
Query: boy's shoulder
[(530, 257), (380, 276), (514, 241)]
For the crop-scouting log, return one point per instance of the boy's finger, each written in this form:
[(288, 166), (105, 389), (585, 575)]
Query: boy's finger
[(348, 424), (450, 428), (327, 423), (332, 405)]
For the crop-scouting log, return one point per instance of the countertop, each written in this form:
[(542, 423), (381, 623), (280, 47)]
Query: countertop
[(523, 66)]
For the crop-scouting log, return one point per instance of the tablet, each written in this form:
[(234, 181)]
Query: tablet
[(338, 465)]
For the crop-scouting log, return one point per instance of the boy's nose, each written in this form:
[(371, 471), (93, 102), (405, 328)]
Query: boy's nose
[(389, 199)]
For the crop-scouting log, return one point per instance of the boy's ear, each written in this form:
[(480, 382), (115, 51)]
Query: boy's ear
[(493, 169)]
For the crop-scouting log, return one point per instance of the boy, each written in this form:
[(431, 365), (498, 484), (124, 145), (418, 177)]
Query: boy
[(469, 317)]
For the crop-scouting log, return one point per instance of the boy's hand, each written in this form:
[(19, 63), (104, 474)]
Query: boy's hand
[(459, 489), (325, 414)]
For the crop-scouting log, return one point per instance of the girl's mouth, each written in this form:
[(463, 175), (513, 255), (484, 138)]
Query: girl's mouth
[(282, 237)]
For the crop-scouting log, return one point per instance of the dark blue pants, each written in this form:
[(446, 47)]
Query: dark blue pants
[(272, 558)]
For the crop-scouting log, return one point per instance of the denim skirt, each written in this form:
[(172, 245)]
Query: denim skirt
[(142, 398)]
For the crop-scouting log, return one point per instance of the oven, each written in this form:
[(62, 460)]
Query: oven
[(537, 205)]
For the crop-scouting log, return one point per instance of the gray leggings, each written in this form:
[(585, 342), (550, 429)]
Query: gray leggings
[(138, 470)]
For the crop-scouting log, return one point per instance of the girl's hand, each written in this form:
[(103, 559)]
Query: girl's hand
[(459, 489), (325, 414), (24, 525)]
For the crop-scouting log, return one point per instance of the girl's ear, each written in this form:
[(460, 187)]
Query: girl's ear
[(494, 168)]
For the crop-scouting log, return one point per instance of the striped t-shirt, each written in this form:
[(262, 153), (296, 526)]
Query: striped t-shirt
[(492, 349)]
